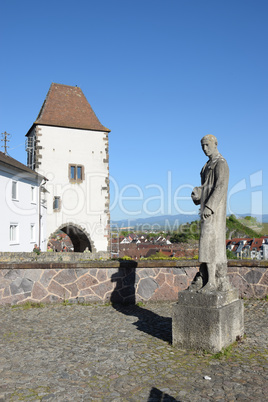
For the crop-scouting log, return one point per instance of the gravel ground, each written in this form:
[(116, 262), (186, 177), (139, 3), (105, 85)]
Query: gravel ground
[(106, 353)]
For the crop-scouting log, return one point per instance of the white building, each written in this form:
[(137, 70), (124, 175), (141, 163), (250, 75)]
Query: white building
[(23, 209), (265, 250), (69, 146)]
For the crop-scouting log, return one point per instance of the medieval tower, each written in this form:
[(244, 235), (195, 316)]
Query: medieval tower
[(69, 146)]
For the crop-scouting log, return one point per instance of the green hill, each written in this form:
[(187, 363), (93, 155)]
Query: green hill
[(234, 228), (240, 228)]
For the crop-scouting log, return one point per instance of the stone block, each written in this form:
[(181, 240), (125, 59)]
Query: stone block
[(58, 290), (15, 287), (12, 274), (146, 288), (191, 272), (165, 293), (102, 288), (86, 281), (38, 292), (208, 322), (6, 292), (73, 289), (47, 277), (65, 276), (169, 279), (145, 272), (85, 292), (101, 275), (128, 291), (253, 276), (92, 298), (129, 280), (4, 283), (181, 281), (111, 271), (32, 274), (160, 279), (260, 291), (83, 271), (245, 289), (264, 280)]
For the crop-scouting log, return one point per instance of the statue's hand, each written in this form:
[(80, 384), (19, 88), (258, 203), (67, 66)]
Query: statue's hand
[(206, 213)]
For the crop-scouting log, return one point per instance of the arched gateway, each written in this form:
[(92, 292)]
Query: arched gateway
[(79, 237)]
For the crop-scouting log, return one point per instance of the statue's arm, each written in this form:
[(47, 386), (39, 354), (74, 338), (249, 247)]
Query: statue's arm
[(197, 191), (219, 191)]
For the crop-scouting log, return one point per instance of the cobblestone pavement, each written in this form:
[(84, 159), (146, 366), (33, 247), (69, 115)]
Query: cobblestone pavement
[(102, 353)]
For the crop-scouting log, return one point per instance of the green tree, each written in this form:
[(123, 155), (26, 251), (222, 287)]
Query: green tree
[(230, 255)]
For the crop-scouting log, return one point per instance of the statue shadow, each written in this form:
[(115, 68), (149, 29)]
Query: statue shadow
[(123, 299), (158, 396)]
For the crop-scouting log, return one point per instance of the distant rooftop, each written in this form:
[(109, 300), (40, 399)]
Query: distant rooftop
[(67, 106)]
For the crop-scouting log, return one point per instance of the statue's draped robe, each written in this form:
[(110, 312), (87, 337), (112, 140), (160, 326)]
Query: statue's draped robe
[(213, 191)]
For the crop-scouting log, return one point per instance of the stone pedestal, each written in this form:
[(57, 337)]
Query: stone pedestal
[(207, 321)]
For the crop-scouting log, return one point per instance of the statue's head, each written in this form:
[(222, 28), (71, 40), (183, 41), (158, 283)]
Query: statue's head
[(209, 144)]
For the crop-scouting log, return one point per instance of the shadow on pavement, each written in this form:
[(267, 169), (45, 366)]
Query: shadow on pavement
[(123, 300), (158, 396)]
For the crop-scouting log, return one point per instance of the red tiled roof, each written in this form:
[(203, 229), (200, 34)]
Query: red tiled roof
[(253, 243), (67, 106), (257, 243)]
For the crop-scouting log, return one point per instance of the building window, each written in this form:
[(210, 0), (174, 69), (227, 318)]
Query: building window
[(14, 190), (33, 233), (30, 146), (14, 233), (76, 173), (56, 204), (33, 195)]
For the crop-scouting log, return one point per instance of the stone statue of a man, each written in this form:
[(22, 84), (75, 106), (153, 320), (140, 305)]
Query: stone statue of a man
[(212, 196)]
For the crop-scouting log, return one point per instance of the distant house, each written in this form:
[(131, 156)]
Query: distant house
[(23, 206), (136, 251), (126, 240), (61, 242), (249, 247)]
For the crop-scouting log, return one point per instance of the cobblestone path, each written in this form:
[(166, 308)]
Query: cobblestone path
[(102, 353)]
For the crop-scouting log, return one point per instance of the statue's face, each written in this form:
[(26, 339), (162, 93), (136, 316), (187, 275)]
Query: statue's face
[(209, 147)]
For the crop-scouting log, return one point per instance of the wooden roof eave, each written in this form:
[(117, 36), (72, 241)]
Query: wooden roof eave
[(106, 130)]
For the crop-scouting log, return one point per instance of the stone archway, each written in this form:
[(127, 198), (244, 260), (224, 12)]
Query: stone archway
[(79, 237)]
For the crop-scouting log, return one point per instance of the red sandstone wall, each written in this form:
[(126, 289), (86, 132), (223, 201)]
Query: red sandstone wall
[(126, 282)]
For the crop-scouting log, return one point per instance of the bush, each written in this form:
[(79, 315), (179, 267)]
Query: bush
[(230, 255), (125, 258)]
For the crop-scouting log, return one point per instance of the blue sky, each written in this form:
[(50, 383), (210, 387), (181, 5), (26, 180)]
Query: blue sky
[(160, 74)]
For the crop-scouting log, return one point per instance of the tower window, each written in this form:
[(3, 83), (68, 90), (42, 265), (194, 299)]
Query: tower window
[(76, 173), (56, 204)]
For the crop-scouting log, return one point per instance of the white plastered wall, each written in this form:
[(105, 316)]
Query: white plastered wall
[(82, 203), (22, 212)]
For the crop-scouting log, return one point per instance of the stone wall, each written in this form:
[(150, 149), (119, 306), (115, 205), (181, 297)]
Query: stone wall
[(114, 281), (6, 257)]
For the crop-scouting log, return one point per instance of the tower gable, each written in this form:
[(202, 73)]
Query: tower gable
[(67, 106)]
